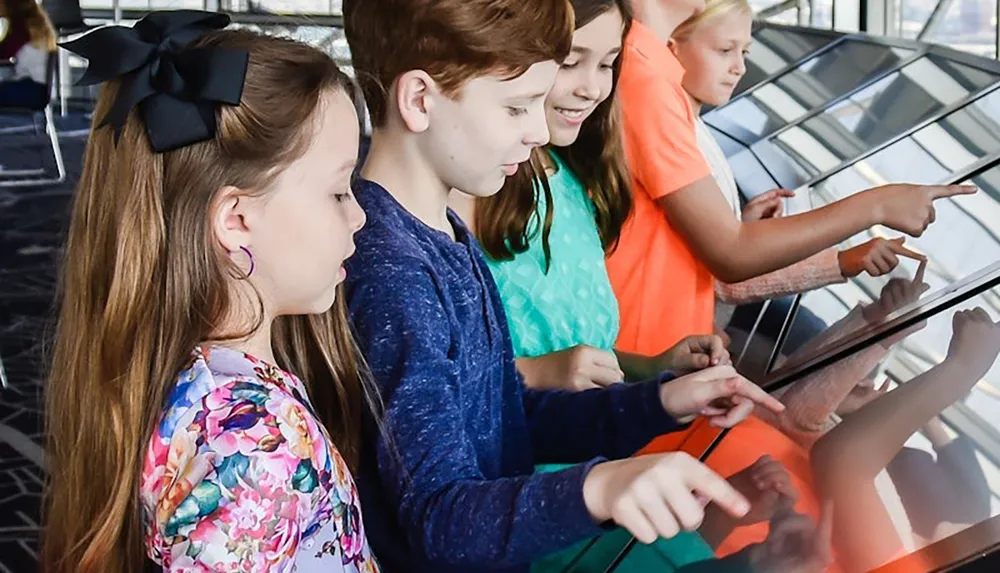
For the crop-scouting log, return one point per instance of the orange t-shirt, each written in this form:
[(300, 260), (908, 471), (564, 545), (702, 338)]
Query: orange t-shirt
[(664, 292)]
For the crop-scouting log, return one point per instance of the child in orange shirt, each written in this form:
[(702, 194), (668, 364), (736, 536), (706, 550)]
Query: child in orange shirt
[(683, 233)]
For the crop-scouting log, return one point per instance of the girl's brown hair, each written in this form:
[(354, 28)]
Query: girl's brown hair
[(597, 158), (143, 282)]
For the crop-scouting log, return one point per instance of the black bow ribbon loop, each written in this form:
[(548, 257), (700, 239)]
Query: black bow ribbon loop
[(176, 90)]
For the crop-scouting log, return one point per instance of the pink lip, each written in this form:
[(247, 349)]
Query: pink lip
[(571, 121), (343, 273), (510, 169)]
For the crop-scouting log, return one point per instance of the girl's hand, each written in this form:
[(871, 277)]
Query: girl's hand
[(795, 544), (695, 353), (975, 342), (765, 484), (578, 368), (719, 393), (877, 257), (910, 208), (766, 205)]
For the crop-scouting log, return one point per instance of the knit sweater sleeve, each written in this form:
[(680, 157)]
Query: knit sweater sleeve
[(810, 403), (817, 271), (428, 463)]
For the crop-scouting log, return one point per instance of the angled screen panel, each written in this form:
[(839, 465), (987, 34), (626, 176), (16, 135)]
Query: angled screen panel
[(875, 114), (776, 48), (964, 240), (748, 171), (812, 84), (898, 439)]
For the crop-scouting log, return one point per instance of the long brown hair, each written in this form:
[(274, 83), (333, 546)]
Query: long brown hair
[(143, 282), (597, 158), (29, 13)]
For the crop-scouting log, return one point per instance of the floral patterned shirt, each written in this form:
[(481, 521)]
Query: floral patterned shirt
[(241, 476)]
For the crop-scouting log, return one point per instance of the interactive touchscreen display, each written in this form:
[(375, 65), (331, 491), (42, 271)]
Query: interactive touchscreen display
[(964, 240), (874, 114), (900, 301), (898, 443)]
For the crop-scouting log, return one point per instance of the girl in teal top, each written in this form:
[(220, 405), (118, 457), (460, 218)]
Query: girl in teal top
[(563, 298), (547, 232)]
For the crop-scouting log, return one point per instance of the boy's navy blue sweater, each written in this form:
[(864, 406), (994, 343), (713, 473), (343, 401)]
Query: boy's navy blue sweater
[(449, 485)]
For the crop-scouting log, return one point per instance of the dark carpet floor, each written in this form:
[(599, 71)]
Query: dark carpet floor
[(31, 229)]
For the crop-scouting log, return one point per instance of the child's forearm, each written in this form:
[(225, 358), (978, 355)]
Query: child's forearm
[(811, 402), (716, 526), (884, 425), (638, 367), (817, 271)]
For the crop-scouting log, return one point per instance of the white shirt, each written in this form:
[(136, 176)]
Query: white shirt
[(723, 176), (717, 162), (31, 62)]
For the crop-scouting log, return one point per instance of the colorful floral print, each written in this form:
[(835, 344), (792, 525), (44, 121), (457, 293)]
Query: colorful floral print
[(240, 476)]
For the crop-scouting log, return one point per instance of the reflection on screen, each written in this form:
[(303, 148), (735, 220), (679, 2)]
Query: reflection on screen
[(812, 84), (876, 114), (747, 168), (900, 441), (774, 49)]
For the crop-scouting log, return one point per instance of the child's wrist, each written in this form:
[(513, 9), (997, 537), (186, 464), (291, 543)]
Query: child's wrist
[(593, 492)]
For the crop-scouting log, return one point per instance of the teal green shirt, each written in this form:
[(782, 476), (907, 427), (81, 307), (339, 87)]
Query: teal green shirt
[(573, 304)]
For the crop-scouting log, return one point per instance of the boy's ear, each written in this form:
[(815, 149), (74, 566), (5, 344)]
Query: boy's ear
[(414, 97)]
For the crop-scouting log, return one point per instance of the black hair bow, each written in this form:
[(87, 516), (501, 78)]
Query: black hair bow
[(177, 90)]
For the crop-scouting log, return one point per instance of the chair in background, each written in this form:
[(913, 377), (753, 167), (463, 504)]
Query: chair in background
[(67, 18), (43, 110)]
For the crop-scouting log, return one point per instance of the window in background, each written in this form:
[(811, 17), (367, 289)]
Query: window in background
[(275, 6), (968, 25)]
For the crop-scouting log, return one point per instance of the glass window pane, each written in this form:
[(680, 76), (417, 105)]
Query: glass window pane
[(928, 156), (774, 49), (968, 25), (300, 6), (878, 113), (751, 177), (729, 145), (275, 6), (911, 17), (821, 15), (812, 84)]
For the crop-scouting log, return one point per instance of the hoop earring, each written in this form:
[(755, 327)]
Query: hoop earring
[(250, 255)]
